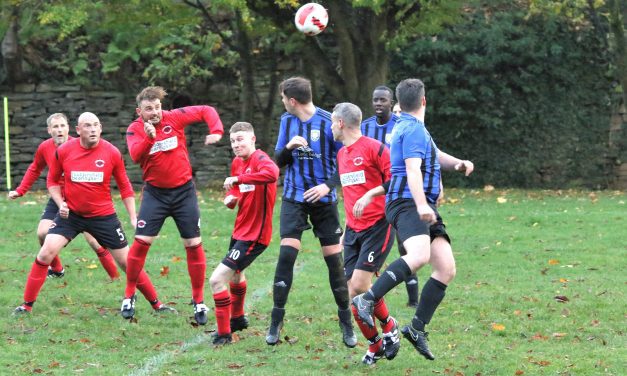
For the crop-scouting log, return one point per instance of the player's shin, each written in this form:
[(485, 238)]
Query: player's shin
[(108, 263), (238, 297), (222, 302), (283, 275), (34, 282), (396, 273), (337, 280), (197, 268), (432, 295), (134, 264)]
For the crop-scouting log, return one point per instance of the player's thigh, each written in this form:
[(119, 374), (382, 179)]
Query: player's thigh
[(360, 282), (43, 227), (403, 216), (293, 219), (241, 254), (108, 231), (51, 247), (186, 213), (326, 223), (152, 213), (377, 241), (50, 210), (66, 227)]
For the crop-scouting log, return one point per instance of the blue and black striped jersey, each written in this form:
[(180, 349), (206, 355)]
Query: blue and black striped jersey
[(411, 139), (380, 132), (311, 165)]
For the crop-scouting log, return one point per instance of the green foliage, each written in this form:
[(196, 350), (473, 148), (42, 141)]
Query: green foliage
[(525, 99)]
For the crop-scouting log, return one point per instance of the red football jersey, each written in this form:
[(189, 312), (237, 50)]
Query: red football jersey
[(256, 192), (362, 166), (44, 155), (87, 177), (164, 159)]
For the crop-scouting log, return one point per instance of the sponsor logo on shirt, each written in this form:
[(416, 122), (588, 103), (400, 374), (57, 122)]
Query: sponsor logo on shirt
[(305, 152), (167, 129), (246, 188), (353, 178), (164, 145), (87, 176), (358, 161), (100, 163), (315, 134)]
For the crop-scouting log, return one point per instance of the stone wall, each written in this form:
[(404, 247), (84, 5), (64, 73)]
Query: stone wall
[(30, 105)]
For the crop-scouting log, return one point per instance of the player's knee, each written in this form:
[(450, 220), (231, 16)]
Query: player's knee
[(217, 283), (357, 286)]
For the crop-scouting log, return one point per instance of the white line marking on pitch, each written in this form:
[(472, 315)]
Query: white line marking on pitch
[(154, 363)]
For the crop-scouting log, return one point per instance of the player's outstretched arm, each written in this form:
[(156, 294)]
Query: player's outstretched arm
[(451, 163)]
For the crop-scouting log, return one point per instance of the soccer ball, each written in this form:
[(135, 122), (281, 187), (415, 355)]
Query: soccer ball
[(311, 19)]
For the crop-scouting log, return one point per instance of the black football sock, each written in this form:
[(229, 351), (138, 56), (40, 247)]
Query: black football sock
[(283, 275), (337, 280), (396, 273), (432, 294), (411, 284)]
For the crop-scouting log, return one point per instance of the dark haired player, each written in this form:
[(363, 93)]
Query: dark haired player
[(305, 146), (363, 165), (58, 130), (156, 140), (410, 208), (252, 188), (380, 128), (85, 165)]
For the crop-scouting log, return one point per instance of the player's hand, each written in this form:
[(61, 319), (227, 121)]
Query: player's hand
[(134, 222), (13, 195), (150, 129), (230, 182), (230, 201), (316, 193), (212, 138), (360, 205), (465, 166), (64, 211), (426, 214), (296, 142)]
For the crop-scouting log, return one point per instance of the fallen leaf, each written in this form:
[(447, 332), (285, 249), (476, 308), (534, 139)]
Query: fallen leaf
[(84, 340), (563, 280), (501, 200), (92, 266), (561, 298), (176, 259), (291, 340), (559, 335), (165, 270), (519, 372), (235, 366), (554, 262), (488, 188), (498, 327), (595, 322), (517, 312), (53, 364), (539, 337)]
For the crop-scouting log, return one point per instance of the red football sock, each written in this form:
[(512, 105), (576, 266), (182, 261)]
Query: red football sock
[(56, 265), (223, 315), (196, 267), (145, 286), (367, 331), (134, 264), (34, 282), (383, 315), (373, 348), (238, 295), (108, 263)]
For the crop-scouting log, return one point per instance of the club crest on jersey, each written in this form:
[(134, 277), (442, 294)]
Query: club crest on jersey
[(100, 163), (388, 138), (248, 170), (358, 161), (315, 134), (167, 129), (141, 223)]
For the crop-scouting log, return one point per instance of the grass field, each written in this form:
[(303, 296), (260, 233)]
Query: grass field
[(540, 290)]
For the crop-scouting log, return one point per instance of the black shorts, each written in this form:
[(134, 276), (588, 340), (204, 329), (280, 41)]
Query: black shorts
[(324, 218), (403, 216), (368, 249), (180, 203), (242, 253), (107, 230), (50, 211)]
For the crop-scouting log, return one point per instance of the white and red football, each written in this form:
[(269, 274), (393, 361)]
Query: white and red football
[(311, 19)]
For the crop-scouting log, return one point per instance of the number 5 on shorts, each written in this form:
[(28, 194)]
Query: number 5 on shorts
[(120, 234)]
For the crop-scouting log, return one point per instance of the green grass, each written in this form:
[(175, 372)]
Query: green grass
[(499, 317)]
